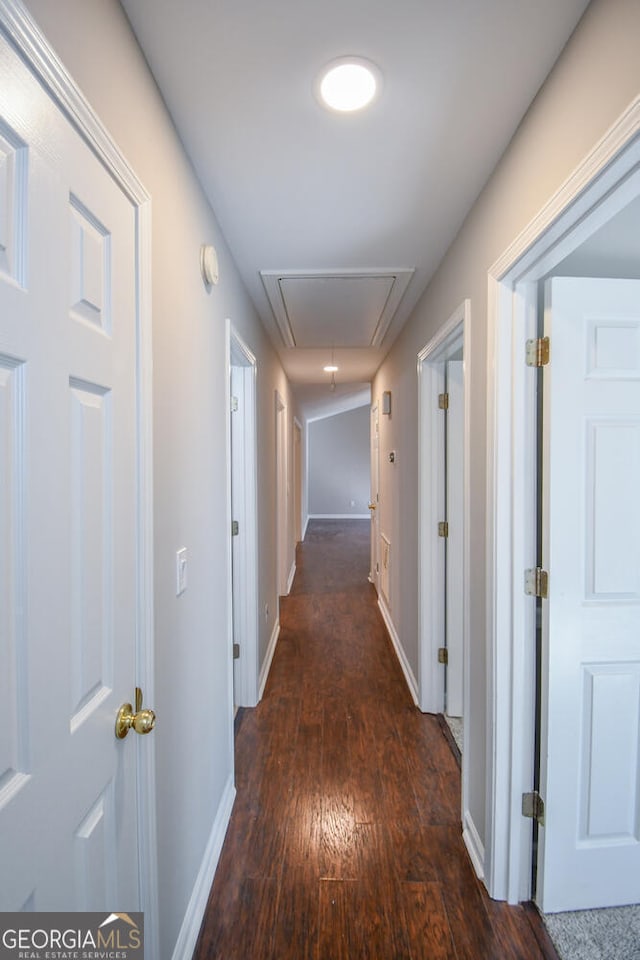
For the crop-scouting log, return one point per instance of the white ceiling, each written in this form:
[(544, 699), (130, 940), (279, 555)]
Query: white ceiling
[(301, 192)]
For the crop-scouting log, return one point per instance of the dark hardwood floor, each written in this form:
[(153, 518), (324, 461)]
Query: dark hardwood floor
[(345, 839)]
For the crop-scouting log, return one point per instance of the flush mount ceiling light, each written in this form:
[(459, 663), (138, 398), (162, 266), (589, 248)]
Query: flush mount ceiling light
[(332, 366), (348, 84)]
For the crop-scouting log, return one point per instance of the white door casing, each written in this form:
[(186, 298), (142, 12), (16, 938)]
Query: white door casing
[(453, 336), (75, 561), (590, 768), (243, 495), (602, 184), (432, 361)]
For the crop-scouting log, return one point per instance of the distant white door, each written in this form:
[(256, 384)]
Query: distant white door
[(244, 549), (374, 502), (454, 591), (68, 521), (297, 481), (590, 764), (282, 498), (238, 475)]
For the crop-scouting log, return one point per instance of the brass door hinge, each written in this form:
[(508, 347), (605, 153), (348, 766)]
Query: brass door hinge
[(443, 529), (443, 401), (533, 806), (536, 583), (235, 528), (537, 352), (443, 655)]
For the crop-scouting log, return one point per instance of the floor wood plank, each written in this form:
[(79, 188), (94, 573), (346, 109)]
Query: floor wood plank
[(345, 840)]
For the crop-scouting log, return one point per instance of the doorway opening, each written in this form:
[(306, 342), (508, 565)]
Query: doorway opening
[(243, 490), (604, 185), (444, 508)]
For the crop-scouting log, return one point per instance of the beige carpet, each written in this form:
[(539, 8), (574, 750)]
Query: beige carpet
[(611, 934)]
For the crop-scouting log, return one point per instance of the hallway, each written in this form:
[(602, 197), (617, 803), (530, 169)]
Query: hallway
[(345, 839)]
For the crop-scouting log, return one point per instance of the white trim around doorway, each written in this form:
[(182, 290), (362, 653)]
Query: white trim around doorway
[(244, 593), (606, 181), (453, 335)]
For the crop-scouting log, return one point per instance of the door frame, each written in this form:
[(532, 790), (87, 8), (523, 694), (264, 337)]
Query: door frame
[(455, 333), (244, 594), (604, 183), (25, 36)]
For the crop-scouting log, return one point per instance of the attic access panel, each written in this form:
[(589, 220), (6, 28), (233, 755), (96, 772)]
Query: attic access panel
[(340, 308)]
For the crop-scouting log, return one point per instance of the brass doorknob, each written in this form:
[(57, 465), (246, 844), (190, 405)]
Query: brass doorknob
[(372, 506), (142, 721)]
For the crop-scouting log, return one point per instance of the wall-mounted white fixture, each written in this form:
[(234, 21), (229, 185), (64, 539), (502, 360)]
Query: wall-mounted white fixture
[(348, 84), (386, 403), (209, 264)]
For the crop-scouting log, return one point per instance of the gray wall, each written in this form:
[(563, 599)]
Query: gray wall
[(195, 765), (339, 464), (595, 79)]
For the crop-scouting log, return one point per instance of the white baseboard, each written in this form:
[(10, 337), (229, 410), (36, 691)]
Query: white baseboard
[(304, 526), (292, 574), (266, 666), (395, 640), (186, 942), (339, 516), (474, 845)]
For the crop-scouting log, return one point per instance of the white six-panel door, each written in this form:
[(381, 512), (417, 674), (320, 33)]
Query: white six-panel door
[(454, 593), (374, 506), (590, 764), (67, 512)]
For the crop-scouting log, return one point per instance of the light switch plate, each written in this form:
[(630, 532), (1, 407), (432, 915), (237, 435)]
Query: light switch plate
[(181, 571)]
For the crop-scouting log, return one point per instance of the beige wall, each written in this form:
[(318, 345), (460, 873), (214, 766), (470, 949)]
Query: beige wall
[(194, 760), (595, 79)]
